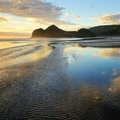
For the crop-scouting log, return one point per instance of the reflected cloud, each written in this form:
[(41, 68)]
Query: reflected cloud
[(90, 93), (115, 87), (72, 53), (72, 49), (110, 53), (115, 72)]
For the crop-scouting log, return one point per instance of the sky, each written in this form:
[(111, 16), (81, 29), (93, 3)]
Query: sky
[(18, 18)]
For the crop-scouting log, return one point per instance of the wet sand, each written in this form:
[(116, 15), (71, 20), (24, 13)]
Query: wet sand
[(60, 80)]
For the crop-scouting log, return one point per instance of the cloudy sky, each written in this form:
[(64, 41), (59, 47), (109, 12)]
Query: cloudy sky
[(18, 18)]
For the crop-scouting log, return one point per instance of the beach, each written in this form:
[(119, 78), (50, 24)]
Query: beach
[(60, 79)]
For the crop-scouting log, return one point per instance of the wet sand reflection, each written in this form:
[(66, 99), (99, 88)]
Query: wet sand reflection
[(65, 83)]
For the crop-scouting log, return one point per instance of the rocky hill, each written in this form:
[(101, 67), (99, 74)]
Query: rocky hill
[(85, 33), (55, 32), (107, 30), (52, 31)]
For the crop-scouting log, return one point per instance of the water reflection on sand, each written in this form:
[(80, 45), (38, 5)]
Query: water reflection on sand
[(110, 53), (59, 81), (23, 54)]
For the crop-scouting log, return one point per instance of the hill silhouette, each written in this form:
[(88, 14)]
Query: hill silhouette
[(106, 30), (85, 33), (55, 32)]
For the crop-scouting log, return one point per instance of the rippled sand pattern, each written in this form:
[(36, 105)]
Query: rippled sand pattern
[(44, 89)]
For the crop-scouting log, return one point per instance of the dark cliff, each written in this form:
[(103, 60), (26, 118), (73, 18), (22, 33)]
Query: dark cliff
[(106, 30), (85, 33), (54, 32)]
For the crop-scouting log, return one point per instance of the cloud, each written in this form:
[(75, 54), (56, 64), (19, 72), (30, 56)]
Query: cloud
[(38, 9), (30, 14), (3, 19), (72, 15), (109, 18), (49, 21), (75, 16)]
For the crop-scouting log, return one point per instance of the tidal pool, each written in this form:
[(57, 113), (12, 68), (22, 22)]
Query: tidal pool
[(61, 80)]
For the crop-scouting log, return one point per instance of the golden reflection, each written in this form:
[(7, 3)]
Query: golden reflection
[(110, 53), (90, 93), (115, 87), (32, 57), (9, 44), (72, 52), (72, 49)]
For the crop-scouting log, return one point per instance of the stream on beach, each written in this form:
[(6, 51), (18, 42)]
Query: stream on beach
[(60, 79)]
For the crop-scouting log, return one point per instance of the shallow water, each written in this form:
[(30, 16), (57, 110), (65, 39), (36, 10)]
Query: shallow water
[(61, 80)]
